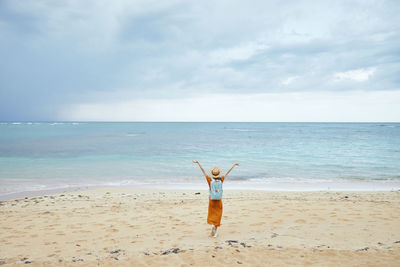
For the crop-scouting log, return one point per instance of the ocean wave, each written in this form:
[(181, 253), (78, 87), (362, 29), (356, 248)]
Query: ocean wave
[(236, 183), (238, 179), (131, 134), (240, 130), (39, 123), (388, 125), (117, 135)]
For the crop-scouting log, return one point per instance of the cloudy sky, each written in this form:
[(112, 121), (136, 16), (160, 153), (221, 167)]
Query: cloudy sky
[(125, 60)]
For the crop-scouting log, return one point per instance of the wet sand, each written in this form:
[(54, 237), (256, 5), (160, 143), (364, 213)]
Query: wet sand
[(127, 227)]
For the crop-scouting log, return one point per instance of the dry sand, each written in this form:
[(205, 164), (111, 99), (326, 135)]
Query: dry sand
[(125, 227)]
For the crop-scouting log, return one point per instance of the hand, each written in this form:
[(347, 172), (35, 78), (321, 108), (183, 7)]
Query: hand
[(195, 161), (236, 164)]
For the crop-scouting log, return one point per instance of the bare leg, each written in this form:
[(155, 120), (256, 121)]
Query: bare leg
[(215, 232), (213, 229)]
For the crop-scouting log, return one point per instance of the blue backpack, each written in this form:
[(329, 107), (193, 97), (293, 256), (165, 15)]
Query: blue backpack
[(216, 190)]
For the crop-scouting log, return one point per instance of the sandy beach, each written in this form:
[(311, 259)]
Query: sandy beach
[(128, 227)]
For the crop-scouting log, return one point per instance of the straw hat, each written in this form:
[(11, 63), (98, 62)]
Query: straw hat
[(215, 172)]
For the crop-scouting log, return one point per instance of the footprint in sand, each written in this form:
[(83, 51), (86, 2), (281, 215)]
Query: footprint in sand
[(165, 234), (11, 236), (257, 224), (83, 231)]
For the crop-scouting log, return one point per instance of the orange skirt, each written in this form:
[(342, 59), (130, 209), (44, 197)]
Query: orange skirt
[(214, 212)]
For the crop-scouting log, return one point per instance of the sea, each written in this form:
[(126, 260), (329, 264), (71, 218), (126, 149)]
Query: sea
[(40, 156)]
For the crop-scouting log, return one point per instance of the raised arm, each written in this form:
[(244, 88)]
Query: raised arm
[(226, 174), (195, 161)]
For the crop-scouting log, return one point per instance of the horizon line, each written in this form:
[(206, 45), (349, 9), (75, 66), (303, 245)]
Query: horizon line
[(95, 121)]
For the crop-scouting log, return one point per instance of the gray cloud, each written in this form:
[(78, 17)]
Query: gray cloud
[(66, 53)]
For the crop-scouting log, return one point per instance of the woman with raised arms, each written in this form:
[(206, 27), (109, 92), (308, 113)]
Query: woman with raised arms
[(215, 200)]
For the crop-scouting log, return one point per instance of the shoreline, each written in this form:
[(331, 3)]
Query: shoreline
[(272, 186), (109, 226)]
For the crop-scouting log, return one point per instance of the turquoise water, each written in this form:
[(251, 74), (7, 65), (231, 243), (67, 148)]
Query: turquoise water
[(36, 156)]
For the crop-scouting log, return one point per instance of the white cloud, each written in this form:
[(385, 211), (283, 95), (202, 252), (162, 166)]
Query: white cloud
[(305, 106), (359, 75), (289, 80), (240, 52)]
